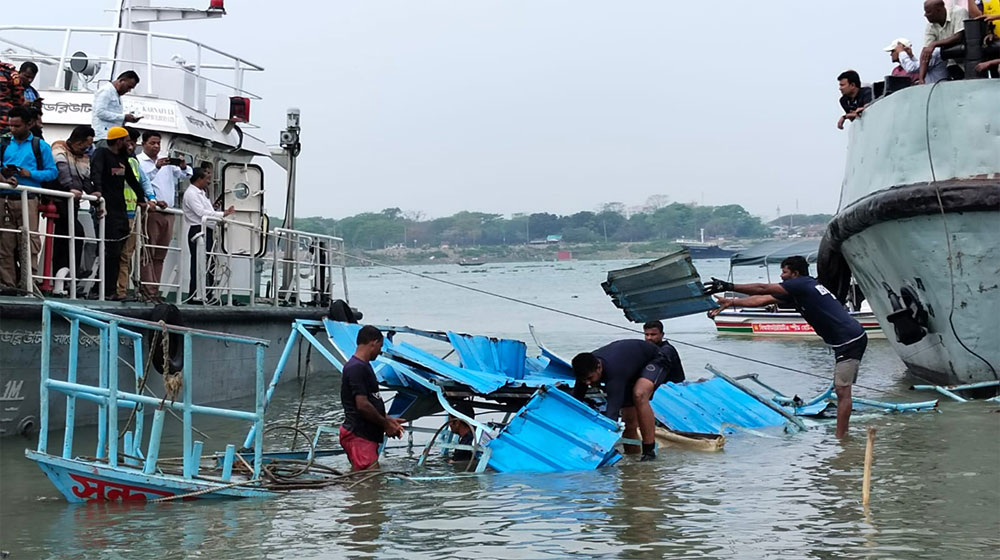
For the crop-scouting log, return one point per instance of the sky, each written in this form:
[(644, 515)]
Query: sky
[(558, 106)]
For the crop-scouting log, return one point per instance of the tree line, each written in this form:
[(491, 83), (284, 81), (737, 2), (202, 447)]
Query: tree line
[(610, 223)]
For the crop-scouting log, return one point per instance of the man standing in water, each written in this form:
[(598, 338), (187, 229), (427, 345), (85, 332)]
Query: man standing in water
[(365, 422), (821, 310), (630, 371)]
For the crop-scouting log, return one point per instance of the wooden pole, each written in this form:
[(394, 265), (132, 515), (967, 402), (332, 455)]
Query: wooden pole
[(867, 481)]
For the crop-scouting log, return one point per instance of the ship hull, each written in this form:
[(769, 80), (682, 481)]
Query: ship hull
[(919, 217), (226, 371), (962, 344)]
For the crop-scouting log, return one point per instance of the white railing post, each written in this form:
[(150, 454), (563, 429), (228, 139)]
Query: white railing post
[(136, 275), (71, 228), (27, 262), (149, 63), (62, 60), (185, 264), (101, 249), (199, 85), (200, 263), (274, 271)]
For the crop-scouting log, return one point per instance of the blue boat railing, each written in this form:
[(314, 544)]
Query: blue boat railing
[(110, 398)]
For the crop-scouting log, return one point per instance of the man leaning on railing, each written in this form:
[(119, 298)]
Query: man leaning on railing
[(73, 165), (24, 160)]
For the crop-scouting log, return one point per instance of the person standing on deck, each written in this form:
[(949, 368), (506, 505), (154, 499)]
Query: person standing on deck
[(108, 109), (73, 167), (131, 206), (25, 160), (110, 170), (821, 310), (630, 372), (365, 421), (196, 206), (165, 177)]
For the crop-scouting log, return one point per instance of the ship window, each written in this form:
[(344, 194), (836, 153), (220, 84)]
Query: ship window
[(241, 190)]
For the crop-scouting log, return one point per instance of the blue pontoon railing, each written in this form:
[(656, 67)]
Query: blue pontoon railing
[(110, 398)]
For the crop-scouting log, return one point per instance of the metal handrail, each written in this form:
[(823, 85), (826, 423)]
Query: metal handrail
[(109, 396), (27, 274), (313, 242), (240, 64)]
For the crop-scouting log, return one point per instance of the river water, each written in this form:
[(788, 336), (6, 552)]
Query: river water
[(935, 489)]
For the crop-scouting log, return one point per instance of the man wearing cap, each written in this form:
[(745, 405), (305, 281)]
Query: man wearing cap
[(630, 371), (110, 170), (901, 52)]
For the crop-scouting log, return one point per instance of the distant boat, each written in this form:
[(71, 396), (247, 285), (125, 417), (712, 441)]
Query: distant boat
[(706, 249), (699, 250), (779, 321), (473, 262)]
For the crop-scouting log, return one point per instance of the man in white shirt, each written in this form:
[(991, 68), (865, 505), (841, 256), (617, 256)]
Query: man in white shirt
[(196, 206), (944, 29), (108, 109), (164, 176), (901, 52)]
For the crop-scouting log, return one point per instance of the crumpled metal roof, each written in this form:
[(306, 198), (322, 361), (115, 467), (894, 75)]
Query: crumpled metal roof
[(706, 406), (555, 432), (775, 251), (661, 289)]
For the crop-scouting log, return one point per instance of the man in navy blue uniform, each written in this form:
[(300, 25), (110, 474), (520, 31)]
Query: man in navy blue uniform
[(821, 310), (629, 371)]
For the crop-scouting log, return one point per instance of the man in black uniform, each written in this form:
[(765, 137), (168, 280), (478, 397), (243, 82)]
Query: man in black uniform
[(821, 310), (629, 371)]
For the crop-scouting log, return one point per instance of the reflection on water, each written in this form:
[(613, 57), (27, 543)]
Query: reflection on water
[(935, 492)]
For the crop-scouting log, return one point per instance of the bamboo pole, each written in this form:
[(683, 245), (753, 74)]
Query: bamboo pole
[(867, 481)]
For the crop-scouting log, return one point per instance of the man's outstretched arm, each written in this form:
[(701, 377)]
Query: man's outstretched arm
[(752, 301)]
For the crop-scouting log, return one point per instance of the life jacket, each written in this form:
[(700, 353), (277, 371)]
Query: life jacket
[(11, 93), (131, 199)]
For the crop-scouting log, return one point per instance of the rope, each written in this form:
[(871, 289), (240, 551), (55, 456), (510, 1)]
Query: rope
[(208, 490), (173, 383), (602, 322)]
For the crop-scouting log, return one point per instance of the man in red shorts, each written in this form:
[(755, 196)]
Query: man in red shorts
[(365, 422)]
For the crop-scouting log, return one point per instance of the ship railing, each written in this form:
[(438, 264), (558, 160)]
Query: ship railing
[(165, 42), (292, 252), (141, 258), (44, 255), (110, 398)]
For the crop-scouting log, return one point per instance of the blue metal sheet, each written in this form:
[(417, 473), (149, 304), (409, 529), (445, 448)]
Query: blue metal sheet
[(480, 381), (493, 355), (661, 289), (555, 432), (705, 406), (344, 337)]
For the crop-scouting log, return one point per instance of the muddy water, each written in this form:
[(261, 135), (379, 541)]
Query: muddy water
[(936, 484)]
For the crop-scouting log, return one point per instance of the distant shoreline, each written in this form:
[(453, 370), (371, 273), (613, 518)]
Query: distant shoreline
[(517, 253)]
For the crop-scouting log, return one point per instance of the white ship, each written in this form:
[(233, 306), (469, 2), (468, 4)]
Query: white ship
[(919, 226)]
